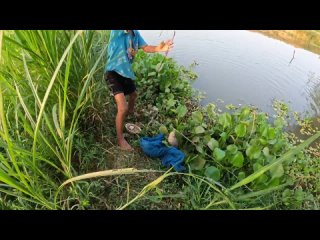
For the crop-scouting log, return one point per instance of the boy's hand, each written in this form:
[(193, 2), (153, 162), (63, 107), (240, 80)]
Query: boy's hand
[(165, 46)]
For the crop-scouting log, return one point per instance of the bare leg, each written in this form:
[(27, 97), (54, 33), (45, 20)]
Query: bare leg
[(120, 118), (132, 100)]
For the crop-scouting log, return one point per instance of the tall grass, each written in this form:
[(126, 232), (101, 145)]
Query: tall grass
[(44, 86)]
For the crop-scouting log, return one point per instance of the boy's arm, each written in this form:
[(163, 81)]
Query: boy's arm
[(162, 47)]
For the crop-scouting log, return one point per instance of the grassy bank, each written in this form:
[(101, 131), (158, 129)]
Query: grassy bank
[(57, 122)]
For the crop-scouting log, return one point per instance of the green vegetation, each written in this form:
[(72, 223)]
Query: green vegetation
[(57, 124)]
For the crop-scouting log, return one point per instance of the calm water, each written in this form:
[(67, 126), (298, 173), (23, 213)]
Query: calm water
[(244, 67)]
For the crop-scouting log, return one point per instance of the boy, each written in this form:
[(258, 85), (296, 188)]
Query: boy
[(123, 45)]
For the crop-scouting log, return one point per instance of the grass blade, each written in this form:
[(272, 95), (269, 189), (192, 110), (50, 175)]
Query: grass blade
[(48, 92), (283, 158), (106, 173)]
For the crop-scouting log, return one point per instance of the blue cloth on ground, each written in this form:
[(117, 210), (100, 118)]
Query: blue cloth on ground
[(155, 148)]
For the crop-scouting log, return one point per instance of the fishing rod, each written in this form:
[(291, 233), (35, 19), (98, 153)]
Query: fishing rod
[(174, 34), (161, 65)]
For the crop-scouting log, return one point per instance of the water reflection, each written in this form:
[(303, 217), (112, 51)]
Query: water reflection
[(313, 91), (306, 39), (246, 67)]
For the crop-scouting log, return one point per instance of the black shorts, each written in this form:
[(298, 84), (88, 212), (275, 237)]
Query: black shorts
[(119, 84)]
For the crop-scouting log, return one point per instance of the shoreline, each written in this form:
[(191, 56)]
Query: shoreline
[(305, 39)]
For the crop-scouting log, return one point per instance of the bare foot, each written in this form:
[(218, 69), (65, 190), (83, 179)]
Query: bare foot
[(124, 145)]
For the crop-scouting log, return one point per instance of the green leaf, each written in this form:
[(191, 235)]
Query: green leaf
[(245, 113), (237, 160), (199, 130), (277, 171), (163, 129), (261, 118), (278, 146), (197, 117), (261, 160), (241, 175), (219, 154), (266, 151), (279, 123), (159, 67), (225, 120), (206, 139), (254, 142), (200, 148), (195, 139), (232, 149), (271, 133), (171, 102), (223, 136), (181, 111), (263, 141), (210, 111), (198, 163), (231, 107), (299, 195), (262, 179), (213, 173), (253, 152), (270, 158), (212, 144), (264, 130), (151, 74), (256, 167), (274, 182), (273, 141), (240, 130)]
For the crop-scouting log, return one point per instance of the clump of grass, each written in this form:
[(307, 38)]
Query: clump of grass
[(45, 78)]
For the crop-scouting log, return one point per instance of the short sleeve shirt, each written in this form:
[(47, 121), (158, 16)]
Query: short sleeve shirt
[(119, 58)]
